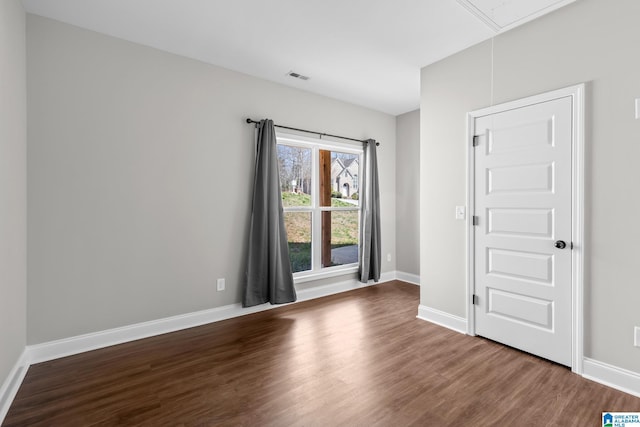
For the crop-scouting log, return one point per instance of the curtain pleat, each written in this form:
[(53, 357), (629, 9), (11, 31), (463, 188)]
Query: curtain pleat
[(269, 276), (370, 254)]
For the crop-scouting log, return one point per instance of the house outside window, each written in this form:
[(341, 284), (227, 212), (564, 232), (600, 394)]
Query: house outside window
[(319, 183)]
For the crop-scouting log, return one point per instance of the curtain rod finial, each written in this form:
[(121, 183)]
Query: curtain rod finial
[(249, 121)]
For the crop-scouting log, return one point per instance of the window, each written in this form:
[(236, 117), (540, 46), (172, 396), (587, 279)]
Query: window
[(319, 183)]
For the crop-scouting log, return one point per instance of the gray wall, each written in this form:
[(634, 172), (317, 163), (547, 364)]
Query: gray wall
[(587, 41), (449, 89), (408, 192), (13, 204), (140, 168)]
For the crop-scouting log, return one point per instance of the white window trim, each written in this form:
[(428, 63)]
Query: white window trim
[(316, 224), (339, 270)]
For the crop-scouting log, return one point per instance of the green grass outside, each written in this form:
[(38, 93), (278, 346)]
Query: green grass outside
[(300, 255), (344, 229), (292, 199)]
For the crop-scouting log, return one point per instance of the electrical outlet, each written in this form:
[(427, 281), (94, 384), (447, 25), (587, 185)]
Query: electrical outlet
[(636, 338), (220, 284), (388, 257)]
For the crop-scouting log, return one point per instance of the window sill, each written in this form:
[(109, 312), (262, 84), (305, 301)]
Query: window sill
[(338, 271)]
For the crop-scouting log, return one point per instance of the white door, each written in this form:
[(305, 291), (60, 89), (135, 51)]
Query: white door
[(523, 283)]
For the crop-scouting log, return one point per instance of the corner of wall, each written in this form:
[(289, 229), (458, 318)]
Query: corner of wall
[(449, 321), (9, 389), (13, 203)]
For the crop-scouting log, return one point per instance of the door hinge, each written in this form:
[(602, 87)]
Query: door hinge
[(571, 245), (474, 299), (476, 140), (475, 220)]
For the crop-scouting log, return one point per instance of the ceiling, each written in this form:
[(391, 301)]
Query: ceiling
[(367, 52)]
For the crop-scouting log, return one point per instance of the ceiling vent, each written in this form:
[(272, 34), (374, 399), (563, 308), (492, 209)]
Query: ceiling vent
[(297, 75), (502, 15)]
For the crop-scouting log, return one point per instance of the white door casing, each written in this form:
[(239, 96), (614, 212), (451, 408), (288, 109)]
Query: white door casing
[(525, 190)]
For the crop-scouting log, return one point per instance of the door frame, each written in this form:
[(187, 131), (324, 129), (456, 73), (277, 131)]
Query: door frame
[(576, 93)]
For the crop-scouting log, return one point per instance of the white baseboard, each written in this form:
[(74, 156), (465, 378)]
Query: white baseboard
[(594, 370), (10, 387), (51, 350), (92, 341), (458, 324), (332, 289), (386, 277), (74, 345), (612, 376), (408, 277)]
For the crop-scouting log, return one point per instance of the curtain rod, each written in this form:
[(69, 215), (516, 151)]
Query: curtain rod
[(317, 133)]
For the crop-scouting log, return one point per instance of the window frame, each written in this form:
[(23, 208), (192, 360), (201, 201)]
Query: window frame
[(316, 144)]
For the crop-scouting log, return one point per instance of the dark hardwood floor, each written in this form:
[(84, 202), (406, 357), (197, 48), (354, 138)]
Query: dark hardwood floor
[(355, 359)]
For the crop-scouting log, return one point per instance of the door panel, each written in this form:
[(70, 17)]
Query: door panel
[(520, 179), (520, 222), (532, 311), (523, 204), (520, 265)]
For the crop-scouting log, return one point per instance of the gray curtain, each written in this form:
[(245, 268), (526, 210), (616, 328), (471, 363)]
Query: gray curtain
[(269, 277), (370, 255)]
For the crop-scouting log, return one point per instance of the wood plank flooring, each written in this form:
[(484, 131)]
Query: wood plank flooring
[(355, 359)]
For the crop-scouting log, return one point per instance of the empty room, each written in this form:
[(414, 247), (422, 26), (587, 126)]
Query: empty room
[(319, 213)]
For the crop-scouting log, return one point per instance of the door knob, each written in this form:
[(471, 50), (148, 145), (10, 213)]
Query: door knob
[(560, 244)]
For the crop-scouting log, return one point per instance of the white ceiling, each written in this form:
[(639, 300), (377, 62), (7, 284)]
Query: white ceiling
[(367, 52)]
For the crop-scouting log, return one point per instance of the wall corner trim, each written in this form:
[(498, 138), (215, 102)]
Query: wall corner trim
[(612, 376), (12, 383), (414, 279), (458, 324)]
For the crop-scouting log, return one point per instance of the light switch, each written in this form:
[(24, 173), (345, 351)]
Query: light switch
[(460, 212)]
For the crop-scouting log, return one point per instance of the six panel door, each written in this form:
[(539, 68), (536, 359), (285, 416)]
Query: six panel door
[(523, 204)]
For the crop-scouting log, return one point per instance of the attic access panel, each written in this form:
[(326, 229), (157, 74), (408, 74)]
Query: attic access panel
[(501, 15)]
